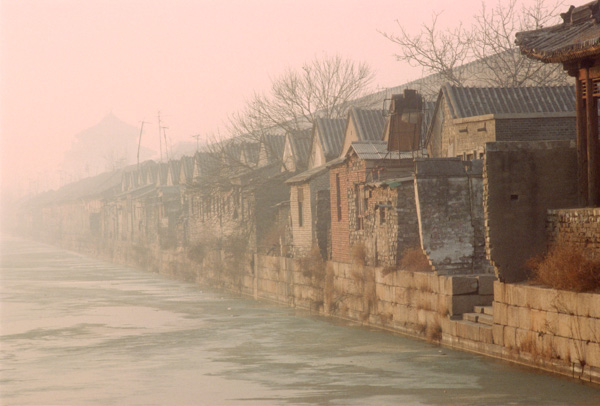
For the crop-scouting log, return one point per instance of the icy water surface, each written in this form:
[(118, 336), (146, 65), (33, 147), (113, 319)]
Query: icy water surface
[(77, 331)]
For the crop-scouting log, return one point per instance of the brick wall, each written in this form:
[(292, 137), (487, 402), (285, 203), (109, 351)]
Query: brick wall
[(538, 128), (344, 176), (449, 206), (522, 180), (390, 223), (579, 227)]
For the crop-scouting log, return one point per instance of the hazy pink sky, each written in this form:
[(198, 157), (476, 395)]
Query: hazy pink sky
[(65, 64)]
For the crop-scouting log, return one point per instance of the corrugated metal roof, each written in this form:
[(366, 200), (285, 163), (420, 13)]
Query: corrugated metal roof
[(301, 147), (331, 133), (187, 164), (377, 150), (274, 145), (369, 123), (477, 101), (576, 38), (174, 168)]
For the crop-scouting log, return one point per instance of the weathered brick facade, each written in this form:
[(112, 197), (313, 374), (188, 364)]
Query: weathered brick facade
[(389, 221), (462, 126), (449, 199), (579, 227)]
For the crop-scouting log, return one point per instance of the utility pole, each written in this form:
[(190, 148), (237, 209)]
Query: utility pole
[(164, 129), (140, 143), (159, 137), (197, 137)]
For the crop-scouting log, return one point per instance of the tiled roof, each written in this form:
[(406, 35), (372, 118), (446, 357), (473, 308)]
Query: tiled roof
[(331, 133), (477, 101), (369, 123), (377, 150), (577, 37)]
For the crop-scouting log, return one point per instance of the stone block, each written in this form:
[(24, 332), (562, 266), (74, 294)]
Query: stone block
[(551, 323), (405, 279), (524, 318), (401, 313), (486, 284), (486, 335), (498, 334), (467, 330), (562, 348), (538, 320), (499, 291), (448, 326), (577, 349), (565, 325), (461, 285), (592, 354), (402, 295), (500, 313), (512, 316), (584, 302), (594, 306), (524, 340), (565, 302)]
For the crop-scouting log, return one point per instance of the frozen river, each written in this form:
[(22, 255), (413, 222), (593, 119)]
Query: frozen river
[(78, 331)]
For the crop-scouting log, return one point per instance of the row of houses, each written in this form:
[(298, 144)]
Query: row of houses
[(359, 181)]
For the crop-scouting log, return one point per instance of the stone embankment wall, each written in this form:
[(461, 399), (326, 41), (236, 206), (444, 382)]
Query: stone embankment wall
[(557, 330), (553, 330), (579, 227)]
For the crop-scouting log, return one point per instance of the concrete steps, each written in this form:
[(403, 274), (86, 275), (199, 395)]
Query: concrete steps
[(481, 318), (484, 310)]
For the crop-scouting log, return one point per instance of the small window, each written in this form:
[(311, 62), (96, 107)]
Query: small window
[(381, 215)]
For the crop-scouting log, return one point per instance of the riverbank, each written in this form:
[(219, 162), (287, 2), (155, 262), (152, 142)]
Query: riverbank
[(554, 331)]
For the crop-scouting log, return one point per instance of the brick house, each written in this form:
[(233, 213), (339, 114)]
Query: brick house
[(309, 190), (364, 162), (466, 118), (229, 201)]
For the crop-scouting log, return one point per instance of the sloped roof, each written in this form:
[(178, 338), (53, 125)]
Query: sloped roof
[(105, 184), (369, 123), (301, 146), (307, 175), (331, 134), (174, 168), (377, 150), (187, 166), (577, 37), (274, 145), (477, 101)]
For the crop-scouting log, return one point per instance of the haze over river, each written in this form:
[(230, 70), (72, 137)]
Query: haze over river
[(77, 331)]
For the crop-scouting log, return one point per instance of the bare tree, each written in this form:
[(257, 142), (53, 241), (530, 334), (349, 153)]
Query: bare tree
[(489, 42), (320, 88), (323, 87)]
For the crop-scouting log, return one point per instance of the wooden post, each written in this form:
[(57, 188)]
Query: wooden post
[(591, 107), (582, 179)]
